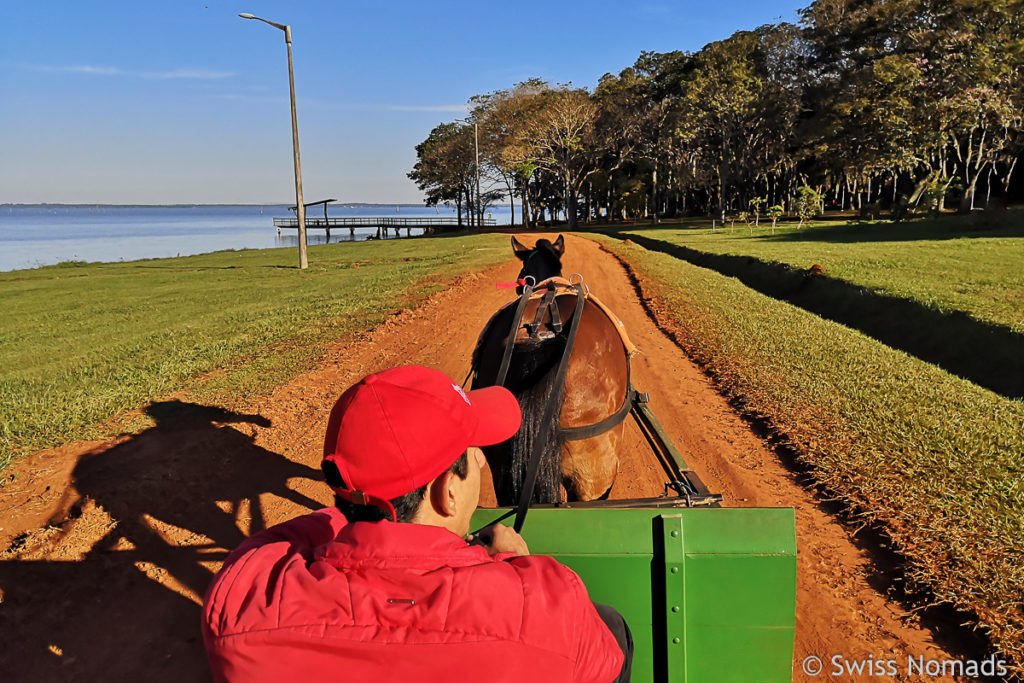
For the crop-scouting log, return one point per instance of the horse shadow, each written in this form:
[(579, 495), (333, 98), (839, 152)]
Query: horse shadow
[(117, 596)]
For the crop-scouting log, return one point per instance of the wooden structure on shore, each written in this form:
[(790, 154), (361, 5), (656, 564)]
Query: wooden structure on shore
[(428, 224)]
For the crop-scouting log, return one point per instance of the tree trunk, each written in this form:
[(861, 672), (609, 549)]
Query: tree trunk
[(510, 183), (525, 208), (586, 205), (1009, 174), (967, 200), (570, 208), (654, 194), (721, 197), (915, 196)]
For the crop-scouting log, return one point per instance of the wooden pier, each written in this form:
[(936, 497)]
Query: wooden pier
[(381, 223)]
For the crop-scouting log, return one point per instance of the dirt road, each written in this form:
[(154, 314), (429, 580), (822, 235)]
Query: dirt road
[(112, 544)]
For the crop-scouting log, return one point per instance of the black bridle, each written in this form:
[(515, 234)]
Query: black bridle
[(524, 272)]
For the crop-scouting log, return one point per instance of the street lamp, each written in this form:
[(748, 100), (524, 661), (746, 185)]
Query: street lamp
[(476, 146), (300, 210)]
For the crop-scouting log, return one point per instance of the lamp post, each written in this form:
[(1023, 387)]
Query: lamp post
[(300, 209), (476, 146)]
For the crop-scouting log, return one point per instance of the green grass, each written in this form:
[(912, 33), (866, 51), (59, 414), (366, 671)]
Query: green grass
[(81, 343), (937, 460), (934, 262)]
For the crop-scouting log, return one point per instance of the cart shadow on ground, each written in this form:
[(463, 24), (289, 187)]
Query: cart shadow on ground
[(177, 497)]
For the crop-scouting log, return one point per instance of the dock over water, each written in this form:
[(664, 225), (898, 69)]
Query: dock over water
[(428, 224)]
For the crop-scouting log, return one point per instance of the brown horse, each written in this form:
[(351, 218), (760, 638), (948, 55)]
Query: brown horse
[(595, 387)]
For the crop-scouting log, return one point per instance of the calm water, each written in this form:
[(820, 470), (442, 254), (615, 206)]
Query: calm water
[(32, 236)]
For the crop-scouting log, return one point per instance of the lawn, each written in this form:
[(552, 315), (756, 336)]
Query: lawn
[(81, 343), (938, 263), (938, 290), (937, 461)]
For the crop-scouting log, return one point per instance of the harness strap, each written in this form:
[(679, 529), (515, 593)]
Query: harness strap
[(556, 317), (506, 357), (543, 307), (549, 411)]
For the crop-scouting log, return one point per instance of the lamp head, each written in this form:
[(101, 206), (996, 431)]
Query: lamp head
[(246, 15)]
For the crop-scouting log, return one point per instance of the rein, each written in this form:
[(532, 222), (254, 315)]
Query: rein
[(553, 403)]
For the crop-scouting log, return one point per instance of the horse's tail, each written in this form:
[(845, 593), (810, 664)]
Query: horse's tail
[(531, 377)]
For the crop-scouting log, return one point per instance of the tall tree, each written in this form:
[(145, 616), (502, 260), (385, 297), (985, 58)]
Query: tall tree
[(739, 109), (916, 85), (505, 117), (444, 169), (559, 140)]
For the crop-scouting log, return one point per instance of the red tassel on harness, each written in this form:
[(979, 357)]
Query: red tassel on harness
[(510, 285)]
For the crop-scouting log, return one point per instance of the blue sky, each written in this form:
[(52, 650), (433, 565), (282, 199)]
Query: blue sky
[(159, 101)]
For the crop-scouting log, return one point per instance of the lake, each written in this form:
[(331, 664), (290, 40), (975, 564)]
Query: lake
[(40, 235)]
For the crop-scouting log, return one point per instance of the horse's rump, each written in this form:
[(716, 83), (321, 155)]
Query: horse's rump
[(595, 386)]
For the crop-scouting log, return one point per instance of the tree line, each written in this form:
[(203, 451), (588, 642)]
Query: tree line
[(896, 105)]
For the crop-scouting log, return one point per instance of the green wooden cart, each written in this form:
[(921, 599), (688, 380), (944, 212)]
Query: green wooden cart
[(709, 593)]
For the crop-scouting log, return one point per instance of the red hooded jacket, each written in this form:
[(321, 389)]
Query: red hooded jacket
[(316, 599)]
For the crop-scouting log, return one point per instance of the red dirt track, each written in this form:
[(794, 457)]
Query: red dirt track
[(110, 545)]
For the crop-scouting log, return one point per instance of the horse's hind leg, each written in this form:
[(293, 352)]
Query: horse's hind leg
[(589, 466)]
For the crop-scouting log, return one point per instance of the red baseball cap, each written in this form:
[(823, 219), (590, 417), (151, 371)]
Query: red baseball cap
[(397, 430)]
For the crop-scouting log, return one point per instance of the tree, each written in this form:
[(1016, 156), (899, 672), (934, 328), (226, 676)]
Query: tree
[(637, 118), (923, 88), (807, 204), (444, 169), (774, 212), (558, 141), (739, 106), (505, 117), (756, 203)]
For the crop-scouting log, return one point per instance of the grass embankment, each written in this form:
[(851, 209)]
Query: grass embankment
[(938, 263), (935, 459), (949, 297), (81, 343)]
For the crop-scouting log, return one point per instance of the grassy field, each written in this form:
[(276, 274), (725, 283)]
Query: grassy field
[(936, 460), (950, 296), (934, 262), (80, 343)]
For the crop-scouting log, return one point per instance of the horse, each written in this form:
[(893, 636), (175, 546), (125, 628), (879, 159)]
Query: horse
[(580, 466)]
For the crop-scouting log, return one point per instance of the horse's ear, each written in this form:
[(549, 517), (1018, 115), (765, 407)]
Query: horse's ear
[(520, 250), (559, 246)]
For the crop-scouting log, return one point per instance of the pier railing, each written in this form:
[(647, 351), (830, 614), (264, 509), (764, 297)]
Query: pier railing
[(376, 222)]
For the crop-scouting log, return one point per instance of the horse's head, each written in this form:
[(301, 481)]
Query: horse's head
[(542, 261)]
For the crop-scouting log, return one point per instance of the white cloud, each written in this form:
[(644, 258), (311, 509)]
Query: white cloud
[(93, 70), (80, 69)]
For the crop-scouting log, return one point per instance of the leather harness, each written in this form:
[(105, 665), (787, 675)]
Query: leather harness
[(548, 307)]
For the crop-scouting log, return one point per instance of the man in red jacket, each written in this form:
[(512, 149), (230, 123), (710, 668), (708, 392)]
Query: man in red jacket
[(383, 587)]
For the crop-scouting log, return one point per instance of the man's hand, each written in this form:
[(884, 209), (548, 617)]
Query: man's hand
[(499, 538)]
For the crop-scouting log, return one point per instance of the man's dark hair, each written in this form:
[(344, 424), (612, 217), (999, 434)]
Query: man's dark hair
[(405, 506)]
